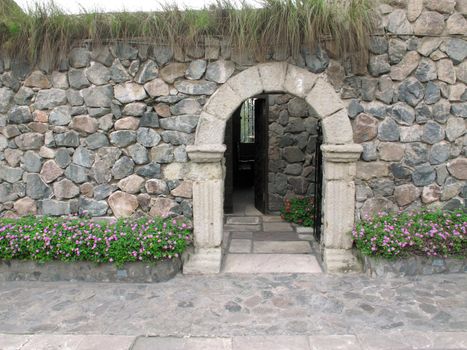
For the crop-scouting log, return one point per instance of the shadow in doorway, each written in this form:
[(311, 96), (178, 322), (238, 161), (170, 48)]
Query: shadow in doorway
[(247, 159)]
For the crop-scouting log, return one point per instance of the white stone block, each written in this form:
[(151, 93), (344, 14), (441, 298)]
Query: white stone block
[(210, 130), (299, 81), (342, 153), (204, 261), (340, 261), (323, 99), (339, 171), (337, 129), (247, 83), (204, 172), (273, 76), (339, 206), (208, 213), (223, 103)]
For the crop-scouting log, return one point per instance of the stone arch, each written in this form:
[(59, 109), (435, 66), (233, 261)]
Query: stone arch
[(339, 156)]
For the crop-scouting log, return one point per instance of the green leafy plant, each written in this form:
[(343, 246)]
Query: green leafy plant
[(80, 239), (48, 31), (425, 233), (299, 211)]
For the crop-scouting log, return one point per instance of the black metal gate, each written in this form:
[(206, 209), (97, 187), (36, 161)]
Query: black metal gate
[(318, 184)]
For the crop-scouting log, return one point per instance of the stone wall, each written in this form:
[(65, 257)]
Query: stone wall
[(410, 110), (292, 147), (106, 132)]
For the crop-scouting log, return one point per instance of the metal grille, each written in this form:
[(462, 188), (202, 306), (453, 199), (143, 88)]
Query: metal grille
[(318, 185), (247, 121)]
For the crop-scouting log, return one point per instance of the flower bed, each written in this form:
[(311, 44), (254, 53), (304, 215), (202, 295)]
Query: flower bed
[(426, 233), (299, 211), (73, 239)]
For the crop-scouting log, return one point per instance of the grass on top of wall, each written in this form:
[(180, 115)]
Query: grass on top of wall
[(48, 31)]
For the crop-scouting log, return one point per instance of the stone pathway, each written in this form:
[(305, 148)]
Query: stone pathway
[(305, 310), (388, 341), (267, 244)]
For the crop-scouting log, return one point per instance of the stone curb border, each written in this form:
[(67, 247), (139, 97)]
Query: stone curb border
[(137, 272), (381, 341), (413, 266)]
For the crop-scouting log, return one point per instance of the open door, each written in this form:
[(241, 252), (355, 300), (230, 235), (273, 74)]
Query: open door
[(261, 153)]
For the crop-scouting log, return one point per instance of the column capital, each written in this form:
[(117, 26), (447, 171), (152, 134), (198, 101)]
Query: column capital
[(342, 153), (206, 153)]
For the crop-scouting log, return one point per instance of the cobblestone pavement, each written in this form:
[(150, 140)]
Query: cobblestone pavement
[(242, 305)]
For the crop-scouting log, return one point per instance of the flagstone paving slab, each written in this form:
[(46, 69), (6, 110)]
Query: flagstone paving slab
[(275, 236), (404, 340), (242, 235), (334, 342), (243, 220), (230, 305), (13, 341), (271, 263), (242, 228), (240, 246), (277, 226), (183, 344), (281, 247), (280, 342), (272, 218)]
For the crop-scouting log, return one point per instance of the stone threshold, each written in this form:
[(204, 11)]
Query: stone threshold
[(270, 263), (137, 272), (413, 266)]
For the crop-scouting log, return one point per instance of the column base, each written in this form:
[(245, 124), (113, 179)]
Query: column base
[(340, 261), (204, 261)]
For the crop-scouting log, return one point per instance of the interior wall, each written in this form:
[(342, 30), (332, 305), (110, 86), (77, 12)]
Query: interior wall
[(292, 146)]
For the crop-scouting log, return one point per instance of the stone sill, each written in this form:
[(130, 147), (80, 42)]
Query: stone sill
[(137, 272), (413, 266)]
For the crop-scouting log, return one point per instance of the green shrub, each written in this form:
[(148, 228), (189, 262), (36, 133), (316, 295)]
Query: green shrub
[(425, 233), (299, 211), (77, 239)]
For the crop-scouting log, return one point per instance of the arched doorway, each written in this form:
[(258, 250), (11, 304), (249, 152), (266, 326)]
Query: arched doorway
[(339, 161)]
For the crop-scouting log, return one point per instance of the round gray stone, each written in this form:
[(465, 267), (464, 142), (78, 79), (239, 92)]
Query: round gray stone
[(147, 137), (123, 168), (36, 188), (403, 114), (123, 138), (32, 162), (423, 175), (60, 115), (432, 133), (388, 130), (20, 115), (196, 69), (138, 153), (411, 91), (439, 153)]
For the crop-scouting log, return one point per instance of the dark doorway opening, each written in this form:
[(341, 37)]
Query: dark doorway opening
[(247, 157)]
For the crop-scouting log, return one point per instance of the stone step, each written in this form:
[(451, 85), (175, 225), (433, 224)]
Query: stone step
[(242, 228), (277, 226), (272, 218), (275, 236), (282, 247), (271, 263), (240, 246), (243, 220), (304, 230)]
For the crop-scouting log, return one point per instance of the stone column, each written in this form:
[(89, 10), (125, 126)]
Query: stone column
[(208, 212), (339, 170)]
